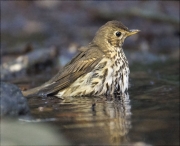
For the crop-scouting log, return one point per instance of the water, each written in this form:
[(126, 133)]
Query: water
[(148, 115)]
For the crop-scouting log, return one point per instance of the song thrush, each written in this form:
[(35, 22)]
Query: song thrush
[(101, 68)]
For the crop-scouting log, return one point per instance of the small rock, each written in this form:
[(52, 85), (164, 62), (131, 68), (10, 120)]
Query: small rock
[(12, 102)]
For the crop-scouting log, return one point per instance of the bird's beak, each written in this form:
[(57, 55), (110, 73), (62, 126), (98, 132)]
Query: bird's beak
[(132, 32)]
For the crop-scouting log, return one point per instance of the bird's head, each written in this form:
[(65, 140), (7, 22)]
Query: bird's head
[(113, 33)]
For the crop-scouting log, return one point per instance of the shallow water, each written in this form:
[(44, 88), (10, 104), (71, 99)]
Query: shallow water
[(148, 115)]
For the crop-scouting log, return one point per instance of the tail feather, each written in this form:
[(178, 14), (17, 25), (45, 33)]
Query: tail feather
[(37, 91)]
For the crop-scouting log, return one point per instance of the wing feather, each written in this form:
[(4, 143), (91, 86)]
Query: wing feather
[(83, 63)]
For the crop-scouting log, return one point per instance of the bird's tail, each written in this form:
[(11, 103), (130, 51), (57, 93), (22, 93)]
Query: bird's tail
[(34, 92)]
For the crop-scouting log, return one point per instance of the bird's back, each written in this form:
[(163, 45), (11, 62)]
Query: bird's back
[(82, 64)]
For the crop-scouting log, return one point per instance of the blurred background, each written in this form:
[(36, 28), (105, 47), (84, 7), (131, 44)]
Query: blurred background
[(54, 30)]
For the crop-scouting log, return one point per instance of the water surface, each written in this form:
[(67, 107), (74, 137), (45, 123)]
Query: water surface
[(148, 114)]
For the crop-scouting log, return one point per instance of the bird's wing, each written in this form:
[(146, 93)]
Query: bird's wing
[(83, 63)]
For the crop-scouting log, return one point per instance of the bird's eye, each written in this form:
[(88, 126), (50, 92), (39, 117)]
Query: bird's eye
[(118, 34)]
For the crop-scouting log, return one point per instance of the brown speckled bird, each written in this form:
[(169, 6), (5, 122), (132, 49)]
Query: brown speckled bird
[(101, 68)]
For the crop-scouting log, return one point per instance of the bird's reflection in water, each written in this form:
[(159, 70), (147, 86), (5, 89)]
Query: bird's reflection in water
[(101, 119), (119, 112)]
